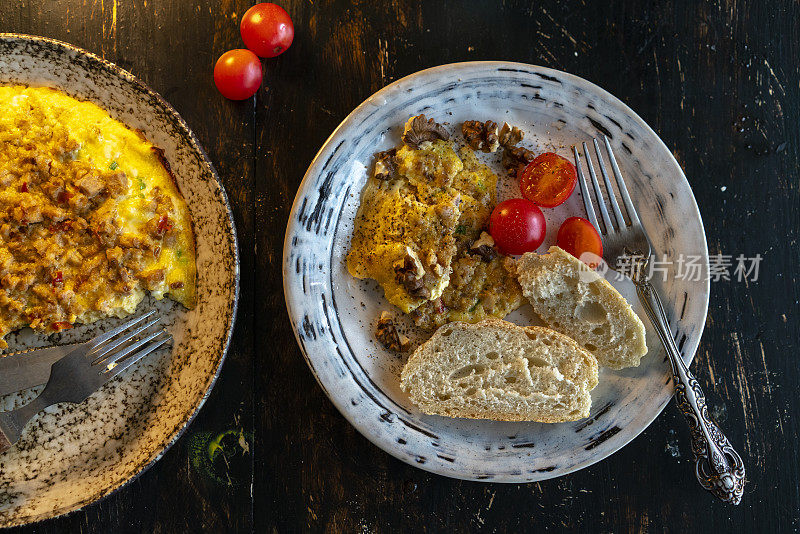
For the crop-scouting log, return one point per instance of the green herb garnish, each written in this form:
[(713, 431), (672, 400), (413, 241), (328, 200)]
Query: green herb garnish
[(113, 166), (461, 229), (141, 184), (472, 309)]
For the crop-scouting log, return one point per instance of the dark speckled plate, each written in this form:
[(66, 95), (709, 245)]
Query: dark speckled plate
[(334, 315), (73, 454)]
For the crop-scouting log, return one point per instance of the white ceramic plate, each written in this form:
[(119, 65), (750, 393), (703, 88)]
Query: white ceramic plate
[(334, 315), (73, 454)]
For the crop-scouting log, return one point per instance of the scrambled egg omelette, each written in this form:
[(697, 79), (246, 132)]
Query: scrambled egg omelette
[(405, 225), (421, 215), (90, 216)]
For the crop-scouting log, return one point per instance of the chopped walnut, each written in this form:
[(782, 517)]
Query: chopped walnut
[(481, 136), (419, 130), (516, 157), (410, 274), (386, 333), (484, 247), (510, 136), (385, 165)]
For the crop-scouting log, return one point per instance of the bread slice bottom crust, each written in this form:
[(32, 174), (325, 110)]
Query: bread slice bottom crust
[(498, 370)]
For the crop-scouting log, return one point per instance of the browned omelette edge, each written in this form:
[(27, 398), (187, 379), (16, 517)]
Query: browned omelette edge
[(188, 294)]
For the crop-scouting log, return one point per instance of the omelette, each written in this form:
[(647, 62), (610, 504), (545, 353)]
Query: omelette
[(422, 213), (480, 286), (405, 224), (91, 218)]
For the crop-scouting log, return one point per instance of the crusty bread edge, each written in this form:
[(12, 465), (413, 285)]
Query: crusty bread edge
[(615, 295), (416, 358)]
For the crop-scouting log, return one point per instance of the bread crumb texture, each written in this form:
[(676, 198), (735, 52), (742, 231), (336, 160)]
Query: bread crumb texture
[(498, 370), (586, 308)]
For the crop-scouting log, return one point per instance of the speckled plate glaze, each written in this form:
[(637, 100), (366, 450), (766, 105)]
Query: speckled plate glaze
[(73, 454), (334, 315)]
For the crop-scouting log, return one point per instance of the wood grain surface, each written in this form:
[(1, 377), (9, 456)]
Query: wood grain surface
[(718, 81)]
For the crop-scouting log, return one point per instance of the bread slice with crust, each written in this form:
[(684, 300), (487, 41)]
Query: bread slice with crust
[(498, 370), (578, 302)]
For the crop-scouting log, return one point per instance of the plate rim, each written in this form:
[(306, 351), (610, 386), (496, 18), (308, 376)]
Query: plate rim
[(194, 142), (688, 358)]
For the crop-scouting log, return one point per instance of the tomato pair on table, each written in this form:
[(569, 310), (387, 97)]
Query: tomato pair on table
[(518, 225), (267, 31)]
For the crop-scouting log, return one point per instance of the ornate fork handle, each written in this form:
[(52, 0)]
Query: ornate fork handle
[(718, 467)]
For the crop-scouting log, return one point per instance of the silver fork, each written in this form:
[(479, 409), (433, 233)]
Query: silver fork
[(718, 466), (81, 372)]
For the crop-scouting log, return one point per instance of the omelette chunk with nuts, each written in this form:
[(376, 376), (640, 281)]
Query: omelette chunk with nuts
[(405, 224), (482, 282), (90, 216), (418, 226)]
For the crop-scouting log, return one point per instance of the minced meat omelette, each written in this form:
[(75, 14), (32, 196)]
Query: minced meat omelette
[(419, 231), (90, 216)]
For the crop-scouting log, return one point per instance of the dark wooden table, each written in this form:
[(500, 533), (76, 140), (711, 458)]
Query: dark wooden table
[(718, 81)]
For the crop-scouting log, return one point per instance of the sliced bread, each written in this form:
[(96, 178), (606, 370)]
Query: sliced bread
[(581, 304), (498, 370)]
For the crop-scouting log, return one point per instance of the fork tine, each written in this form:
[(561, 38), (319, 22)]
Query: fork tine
[(626, 199), (598, 193), (127, 350), (151, 347), (612, 197), (105, 336), (587, 199), (116, 342)]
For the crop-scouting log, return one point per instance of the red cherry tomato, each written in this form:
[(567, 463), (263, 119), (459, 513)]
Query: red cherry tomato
[(577, 236), (237, 74), (548, 180), (517, 226), (267, 29)]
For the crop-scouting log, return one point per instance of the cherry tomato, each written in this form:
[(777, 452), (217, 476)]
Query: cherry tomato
[(267, 29), (238, 74), (517, 226), (548, 180), (577, 236)]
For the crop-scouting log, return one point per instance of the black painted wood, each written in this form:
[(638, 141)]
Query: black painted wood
[(717, 80)]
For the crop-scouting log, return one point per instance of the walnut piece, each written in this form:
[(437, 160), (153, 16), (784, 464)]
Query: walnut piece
[(510, 136), (386, 333), (515, 158), (385, 165), (481, 136), (484, 247), (410, 274), (420, 129)]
